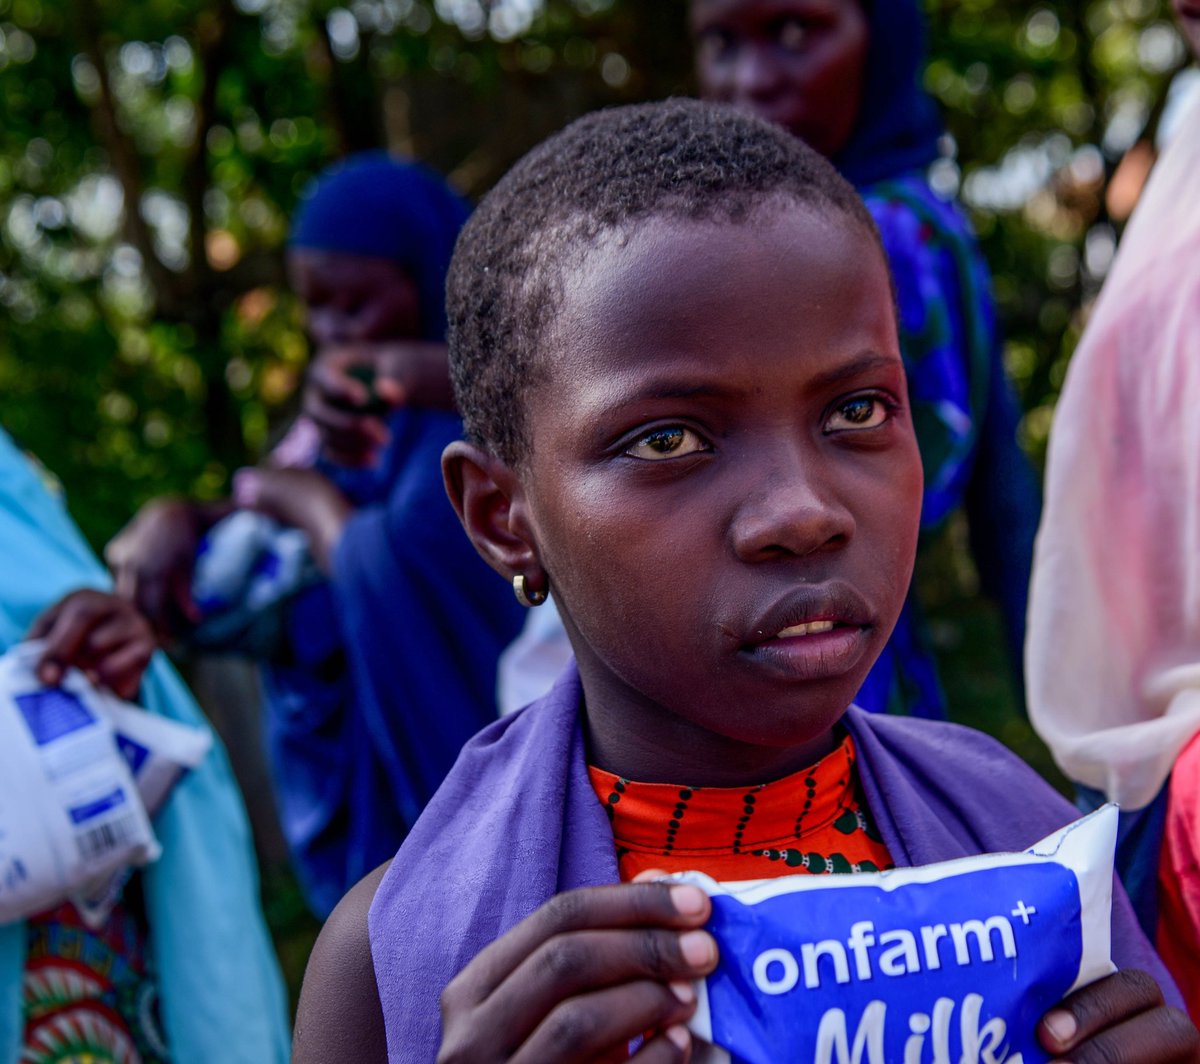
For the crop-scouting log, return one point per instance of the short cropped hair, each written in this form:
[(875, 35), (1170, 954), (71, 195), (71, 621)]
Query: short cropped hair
[(679, 158)]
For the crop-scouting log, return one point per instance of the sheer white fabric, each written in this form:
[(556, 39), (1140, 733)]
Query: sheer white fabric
[(1113, 650)]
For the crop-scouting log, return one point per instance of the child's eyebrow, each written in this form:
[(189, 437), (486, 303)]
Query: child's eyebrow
[(617, 399), (866, 362), (666, 390), (861, 364)]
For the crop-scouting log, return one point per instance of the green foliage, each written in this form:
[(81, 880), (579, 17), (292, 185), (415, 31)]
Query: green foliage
[(151, 153)]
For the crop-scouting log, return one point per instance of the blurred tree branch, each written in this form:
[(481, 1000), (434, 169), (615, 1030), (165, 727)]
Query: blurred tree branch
[(210, 116), (170, 300)]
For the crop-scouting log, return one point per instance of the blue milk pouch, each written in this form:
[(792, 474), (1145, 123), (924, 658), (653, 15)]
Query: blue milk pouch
[(953, 963)]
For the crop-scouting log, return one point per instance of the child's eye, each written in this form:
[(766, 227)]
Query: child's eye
[(670, 442), (715, 43), (860, 412), (792, 34)]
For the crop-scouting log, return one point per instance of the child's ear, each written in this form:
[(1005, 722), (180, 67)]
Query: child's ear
[(489, 500)]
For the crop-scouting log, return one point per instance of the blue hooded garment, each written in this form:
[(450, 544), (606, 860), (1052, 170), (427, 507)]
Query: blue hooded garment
[(963, 407), (390, 665)]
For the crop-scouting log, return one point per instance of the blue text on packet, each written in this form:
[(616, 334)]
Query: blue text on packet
[(135, 754), (80, 814), (960, 969), (52, 713)]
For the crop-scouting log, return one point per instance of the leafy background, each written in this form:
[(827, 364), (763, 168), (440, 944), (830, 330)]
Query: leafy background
[(151, 153)]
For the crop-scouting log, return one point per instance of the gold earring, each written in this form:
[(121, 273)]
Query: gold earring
[(526, 596)]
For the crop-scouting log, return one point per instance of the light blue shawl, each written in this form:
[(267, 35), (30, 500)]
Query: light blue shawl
[(221, 992)]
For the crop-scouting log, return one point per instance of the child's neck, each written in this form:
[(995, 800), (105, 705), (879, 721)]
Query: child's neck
[(653, 745)]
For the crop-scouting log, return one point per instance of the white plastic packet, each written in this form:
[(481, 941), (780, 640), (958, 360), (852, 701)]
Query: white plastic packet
[(70, 812), (158, 753), (952, 963)]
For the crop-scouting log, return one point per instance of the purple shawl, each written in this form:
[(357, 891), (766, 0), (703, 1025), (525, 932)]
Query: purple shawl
[(517, 821)]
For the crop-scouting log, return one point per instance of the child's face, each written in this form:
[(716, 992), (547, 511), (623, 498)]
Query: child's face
[(354, 298), (721, 455), (797, 63)]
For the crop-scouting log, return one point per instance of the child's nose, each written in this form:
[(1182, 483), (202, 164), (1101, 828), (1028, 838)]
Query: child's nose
[(790, 510), (755, 73)]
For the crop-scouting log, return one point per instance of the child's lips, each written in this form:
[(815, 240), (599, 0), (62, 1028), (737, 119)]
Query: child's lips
[(815, 631), (808, 611), (830, 651)]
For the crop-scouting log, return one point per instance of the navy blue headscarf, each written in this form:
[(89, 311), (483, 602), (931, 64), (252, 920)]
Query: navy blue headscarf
[(377, 205), (391, 664), (898, 124)]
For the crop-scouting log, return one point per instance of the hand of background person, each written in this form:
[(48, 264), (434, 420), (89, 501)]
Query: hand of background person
[(1119, 1018), (100, 634), (300, 498), (152, 558), (351, 390), (585, 974)]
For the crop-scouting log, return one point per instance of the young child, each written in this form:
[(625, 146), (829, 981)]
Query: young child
[(845, 78), (674, 345)]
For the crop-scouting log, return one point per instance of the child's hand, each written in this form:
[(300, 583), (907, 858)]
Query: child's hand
[(1121, 1018), (581, 977), (300, 498), (102, 635), (152, 558), (350, 415)]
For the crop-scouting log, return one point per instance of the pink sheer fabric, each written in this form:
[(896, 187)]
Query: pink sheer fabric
[(1113, 649)]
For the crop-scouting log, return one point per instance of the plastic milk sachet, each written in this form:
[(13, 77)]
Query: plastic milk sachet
[(952, 963), (158, 752), (72, 815), (247, 567)]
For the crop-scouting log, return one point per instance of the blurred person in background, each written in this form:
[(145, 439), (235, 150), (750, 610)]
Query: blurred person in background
[(1113, 656), (182, 969), (385, 664), (845, 77)]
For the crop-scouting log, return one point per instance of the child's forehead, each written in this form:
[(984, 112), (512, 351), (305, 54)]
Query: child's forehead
[(675, 285), (743, 236)]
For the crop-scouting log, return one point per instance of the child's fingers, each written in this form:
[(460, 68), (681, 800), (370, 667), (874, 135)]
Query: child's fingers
[(364, 441), (330, 419), (650, 875), (346, 433), (1158, 1036), (122, 671), (392, 390), (110, 632), (673, 1046), (599, 1024), (579, 962), (181, 596), (331, 380), (68, 631), (149, 590), (629, 905), (1103, 1004)]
